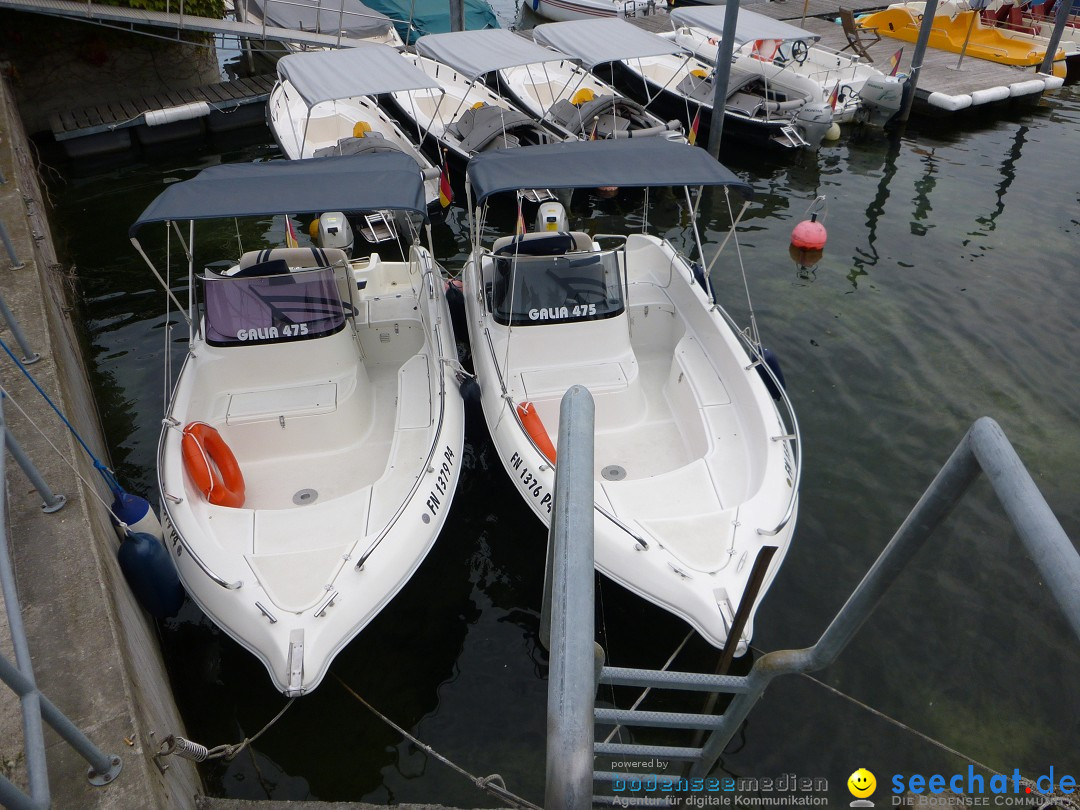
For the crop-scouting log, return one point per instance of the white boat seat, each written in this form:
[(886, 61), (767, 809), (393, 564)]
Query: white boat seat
[(297, 257), (542, 243)]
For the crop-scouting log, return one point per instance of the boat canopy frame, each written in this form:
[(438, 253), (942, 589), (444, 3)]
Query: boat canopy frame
[(749, 25), (477, 53)]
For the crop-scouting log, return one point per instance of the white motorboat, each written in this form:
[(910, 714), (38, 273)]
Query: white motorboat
[(784, 56), (561, 10), (348, 19), (550, 86), (313, 438), (324, 103), (462, 116), (673, 82), (696, 467)]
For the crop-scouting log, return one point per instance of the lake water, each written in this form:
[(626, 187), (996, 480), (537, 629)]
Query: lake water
[(947, 291)]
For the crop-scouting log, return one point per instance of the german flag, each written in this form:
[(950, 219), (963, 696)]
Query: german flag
[(446, 193), (692, 135)]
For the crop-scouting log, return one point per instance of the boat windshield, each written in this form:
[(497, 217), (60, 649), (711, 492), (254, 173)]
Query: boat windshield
[(273, 305), (531, 290)]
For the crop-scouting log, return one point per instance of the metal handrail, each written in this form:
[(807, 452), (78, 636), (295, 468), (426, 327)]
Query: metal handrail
[(35, 706)]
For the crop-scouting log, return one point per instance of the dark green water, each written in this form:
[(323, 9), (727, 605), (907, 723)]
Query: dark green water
[(948, 291)]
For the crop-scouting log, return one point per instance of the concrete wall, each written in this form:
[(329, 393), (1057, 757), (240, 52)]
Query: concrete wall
[(96, 654)]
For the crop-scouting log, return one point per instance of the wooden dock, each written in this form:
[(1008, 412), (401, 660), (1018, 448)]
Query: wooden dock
[(110, 127), (942, 88)]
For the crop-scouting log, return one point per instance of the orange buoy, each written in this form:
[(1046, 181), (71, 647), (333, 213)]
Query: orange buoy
[(530, 420), (212, 466), (809, 234)]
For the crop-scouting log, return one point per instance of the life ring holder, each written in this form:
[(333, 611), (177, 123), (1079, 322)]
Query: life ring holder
[(212, 466)]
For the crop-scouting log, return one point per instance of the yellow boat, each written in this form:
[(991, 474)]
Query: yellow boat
[(951, 26)]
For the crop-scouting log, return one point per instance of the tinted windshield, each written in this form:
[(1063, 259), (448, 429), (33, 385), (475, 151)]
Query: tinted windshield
[(531, 290), (272, 309)]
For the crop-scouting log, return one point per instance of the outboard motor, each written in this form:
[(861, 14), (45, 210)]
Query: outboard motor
[(335, 232), (551, 216), (813, 121), (881, 98)]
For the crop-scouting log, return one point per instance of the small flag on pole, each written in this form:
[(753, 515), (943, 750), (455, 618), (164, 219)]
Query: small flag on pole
[(290, 233), (692, 136), (520, 229), (446, 193), (835, 95), (894, 62)]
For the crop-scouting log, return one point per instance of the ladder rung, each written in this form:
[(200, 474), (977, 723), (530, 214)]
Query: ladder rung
[(667, 679), (646, 751), (629, 717)]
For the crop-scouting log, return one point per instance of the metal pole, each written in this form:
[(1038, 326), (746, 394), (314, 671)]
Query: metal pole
[(33, 738), (571, 670), (1060, 20), (15, 263), (457, 15), (967, 39), (29, 355), (917, 58), (52, 502), (722, 75)]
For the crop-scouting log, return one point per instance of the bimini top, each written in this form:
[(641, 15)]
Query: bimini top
[(749, 25), (475, 53), (596, 42), (351, 17), (634, 162), (351, 183), (366, 70)]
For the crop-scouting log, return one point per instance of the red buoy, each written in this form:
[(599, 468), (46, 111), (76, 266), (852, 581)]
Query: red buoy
[(809, 235)]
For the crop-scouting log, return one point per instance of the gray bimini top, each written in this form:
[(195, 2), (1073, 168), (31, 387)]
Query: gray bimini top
[(349, 183), (597, 42), (633, 162), (366, 70), (749, 25), (475, 53)]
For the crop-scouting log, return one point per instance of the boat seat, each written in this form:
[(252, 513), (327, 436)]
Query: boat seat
[(698, 88), (273, 267), (371, 142), (296, 257), (542, 243)]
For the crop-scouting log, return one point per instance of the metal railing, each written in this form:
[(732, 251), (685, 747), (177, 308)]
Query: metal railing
[(104, 768), (984, 449)]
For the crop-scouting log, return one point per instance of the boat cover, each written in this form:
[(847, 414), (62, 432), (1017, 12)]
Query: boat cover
[(354, 18), (635, 162), (597, 42), (350, 183), (432, 16), (475, 53), (351, 72), (749, 25)]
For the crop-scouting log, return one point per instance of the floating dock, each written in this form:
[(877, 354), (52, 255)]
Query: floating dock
[(149, 120)]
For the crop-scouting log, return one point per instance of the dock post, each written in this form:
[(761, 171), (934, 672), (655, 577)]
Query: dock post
[(722, 75), (1064, 8), (569, 616), (917, 59), (15, 263), (457, 15)]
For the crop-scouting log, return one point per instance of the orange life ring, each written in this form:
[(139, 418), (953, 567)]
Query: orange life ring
[(212, 465), (530, 420)]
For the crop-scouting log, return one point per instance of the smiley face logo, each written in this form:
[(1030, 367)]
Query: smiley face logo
[(862, 783)]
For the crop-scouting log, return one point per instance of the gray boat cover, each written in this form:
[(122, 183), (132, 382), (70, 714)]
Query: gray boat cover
[(366, 70), (597, 42), (475, 53), (351, 17), (749, 25), (632, 162), (371, 142), (350, 183), (480, 127)]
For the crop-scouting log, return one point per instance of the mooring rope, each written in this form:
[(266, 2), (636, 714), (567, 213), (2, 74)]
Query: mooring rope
[(175, 744), (1051, 801), (492, 783)]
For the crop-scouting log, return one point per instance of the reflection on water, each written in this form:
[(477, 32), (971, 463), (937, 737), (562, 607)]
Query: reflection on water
[(944, 293)]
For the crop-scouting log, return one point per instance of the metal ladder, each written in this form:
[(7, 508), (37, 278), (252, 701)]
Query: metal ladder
[(567, 626)]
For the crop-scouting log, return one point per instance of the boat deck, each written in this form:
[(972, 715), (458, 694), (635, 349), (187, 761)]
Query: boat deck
[(942, 88)]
